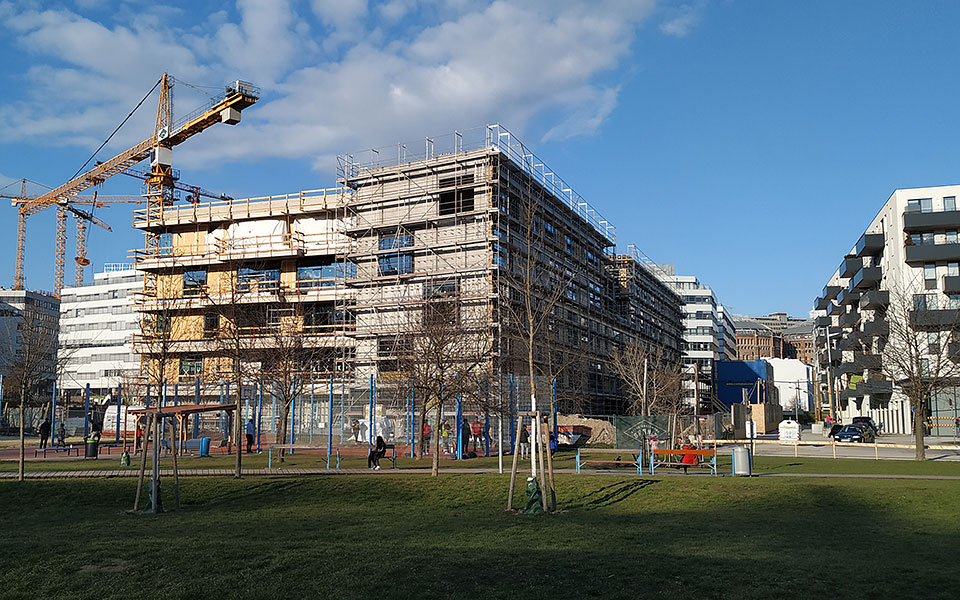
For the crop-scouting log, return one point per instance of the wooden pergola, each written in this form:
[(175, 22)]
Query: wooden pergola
[(180, 413)]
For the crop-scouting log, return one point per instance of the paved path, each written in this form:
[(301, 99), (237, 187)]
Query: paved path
[(130, 473)]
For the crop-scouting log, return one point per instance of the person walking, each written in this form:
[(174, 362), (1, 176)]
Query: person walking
[(250, 430), (524, 442), (445, 436), (464, 438), (477, 433), (376, 453), (427, 430), (61, 436), (44, 432)]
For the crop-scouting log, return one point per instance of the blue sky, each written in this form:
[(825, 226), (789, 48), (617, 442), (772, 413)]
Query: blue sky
[(749, 143)]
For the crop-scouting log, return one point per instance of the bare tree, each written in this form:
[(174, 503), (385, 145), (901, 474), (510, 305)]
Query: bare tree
[(652, 379), (449, 354), (30, 364), (920, 354), (292, 356)]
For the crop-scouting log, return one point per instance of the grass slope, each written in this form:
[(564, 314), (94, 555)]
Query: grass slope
[(411, 536)]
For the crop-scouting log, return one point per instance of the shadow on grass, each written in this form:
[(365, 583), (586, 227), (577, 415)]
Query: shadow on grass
[(610, 494)]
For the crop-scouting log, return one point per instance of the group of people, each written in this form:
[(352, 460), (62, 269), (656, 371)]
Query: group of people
[(44, 432), (448, 438)]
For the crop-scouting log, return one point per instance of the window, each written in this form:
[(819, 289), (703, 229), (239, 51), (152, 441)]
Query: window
[(953, 269), (396, 263), (258, 280), (930, 275), (955, 301), (211, 323), (191, 364), (933, 342), (456, 201), (950, 237), (194, 282), (441, 289), (928, 238), (925, 302), (949, 203), (550, 231), (571, 292)]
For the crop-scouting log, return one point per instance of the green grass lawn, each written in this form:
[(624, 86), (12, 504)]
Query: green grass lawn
[(412, 536)]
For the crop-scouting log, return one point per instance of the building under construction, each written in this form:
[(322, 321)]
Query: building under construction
[(471, 230)]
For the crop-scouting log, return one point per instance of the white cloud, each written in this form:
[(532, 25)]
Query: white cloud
[(392, 78), (681, 20)]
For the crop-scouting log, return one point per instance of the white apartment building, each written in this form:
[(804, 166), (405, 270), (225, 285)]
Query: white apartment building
[(42, 309), (910, 249), (97, 324), (708, 336)]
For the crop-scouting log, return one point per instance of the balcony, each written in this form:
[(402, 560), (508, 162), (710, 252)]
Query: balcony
[(834, 310), (849, 266), (914, 221), (865, 278), (951, 284), (932, 253), (848, 297), (870, 244), (877, 388), (935, 319), (863, 360), (823, 322), (830, 292), (877, 327), (875, 299), (854, 341), (833, 354), (821, 303), (849, 320)]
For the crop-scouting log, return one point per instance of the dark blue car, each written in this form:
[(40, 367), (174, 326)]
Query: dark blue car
[(855, 433)]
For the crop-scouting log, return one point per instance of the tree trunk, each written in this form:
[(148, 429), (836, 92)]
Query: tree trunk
[(918, 411), (283, 435), (238, 431), (418, 435), (22, 460)]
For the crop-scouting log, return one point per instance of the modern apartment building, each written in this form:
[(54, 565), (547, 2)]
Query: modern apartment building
[(798, 342), (97, 326), (709, 336), (461, 233), (910, 250), (28, 318)]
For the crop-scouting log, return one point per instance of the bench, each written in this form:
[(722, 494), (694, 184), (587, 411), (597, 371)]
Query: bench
[(323, 455), (68, 449), (635, 460), (674, 458), (391, 457)]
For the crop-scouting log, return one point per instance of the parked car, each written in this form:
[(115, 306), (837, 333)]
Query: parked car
[(855, 433), (869, 422)]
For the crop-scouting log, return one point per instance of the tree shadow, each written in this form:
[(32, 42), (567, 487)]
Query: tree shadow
[(610, 494)]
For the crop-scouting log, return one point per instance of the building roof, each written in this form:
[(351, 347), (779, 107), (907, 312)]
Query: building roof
[(743, 323), (805, 328)]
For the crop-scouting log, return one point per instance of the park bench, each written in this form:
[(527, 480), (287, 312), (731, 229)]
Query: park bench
[(391, 457), (635, 457), (42, 452), (674, 458), (323, 454)]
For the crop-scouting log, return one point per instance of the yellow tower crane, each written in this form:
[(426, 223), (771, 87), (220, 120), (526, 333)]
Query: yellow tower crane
[(167, 134)]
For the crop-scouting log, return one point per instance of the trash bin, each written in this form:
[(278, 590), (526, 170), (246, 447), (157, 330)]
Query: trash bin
[(204, 446), (742, 461), (534, 497), (91, 449)]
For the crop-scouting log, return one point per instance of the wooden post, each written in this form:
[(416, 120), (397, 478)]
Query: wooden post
[(143, 462), (541, 475), (513, 468), (176, 472), (834, 444), (553, 489)]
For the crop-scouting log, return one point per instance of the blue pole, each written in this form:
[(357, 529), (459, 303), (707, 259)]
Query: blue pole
[(311, 413), (196, 417), (119, 402), (370, 419), (259, 413), (330, 422), (53, 408), (148, 396), (556, 436), (513, 426), (86, 411), (293, 406), (459, 429)]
